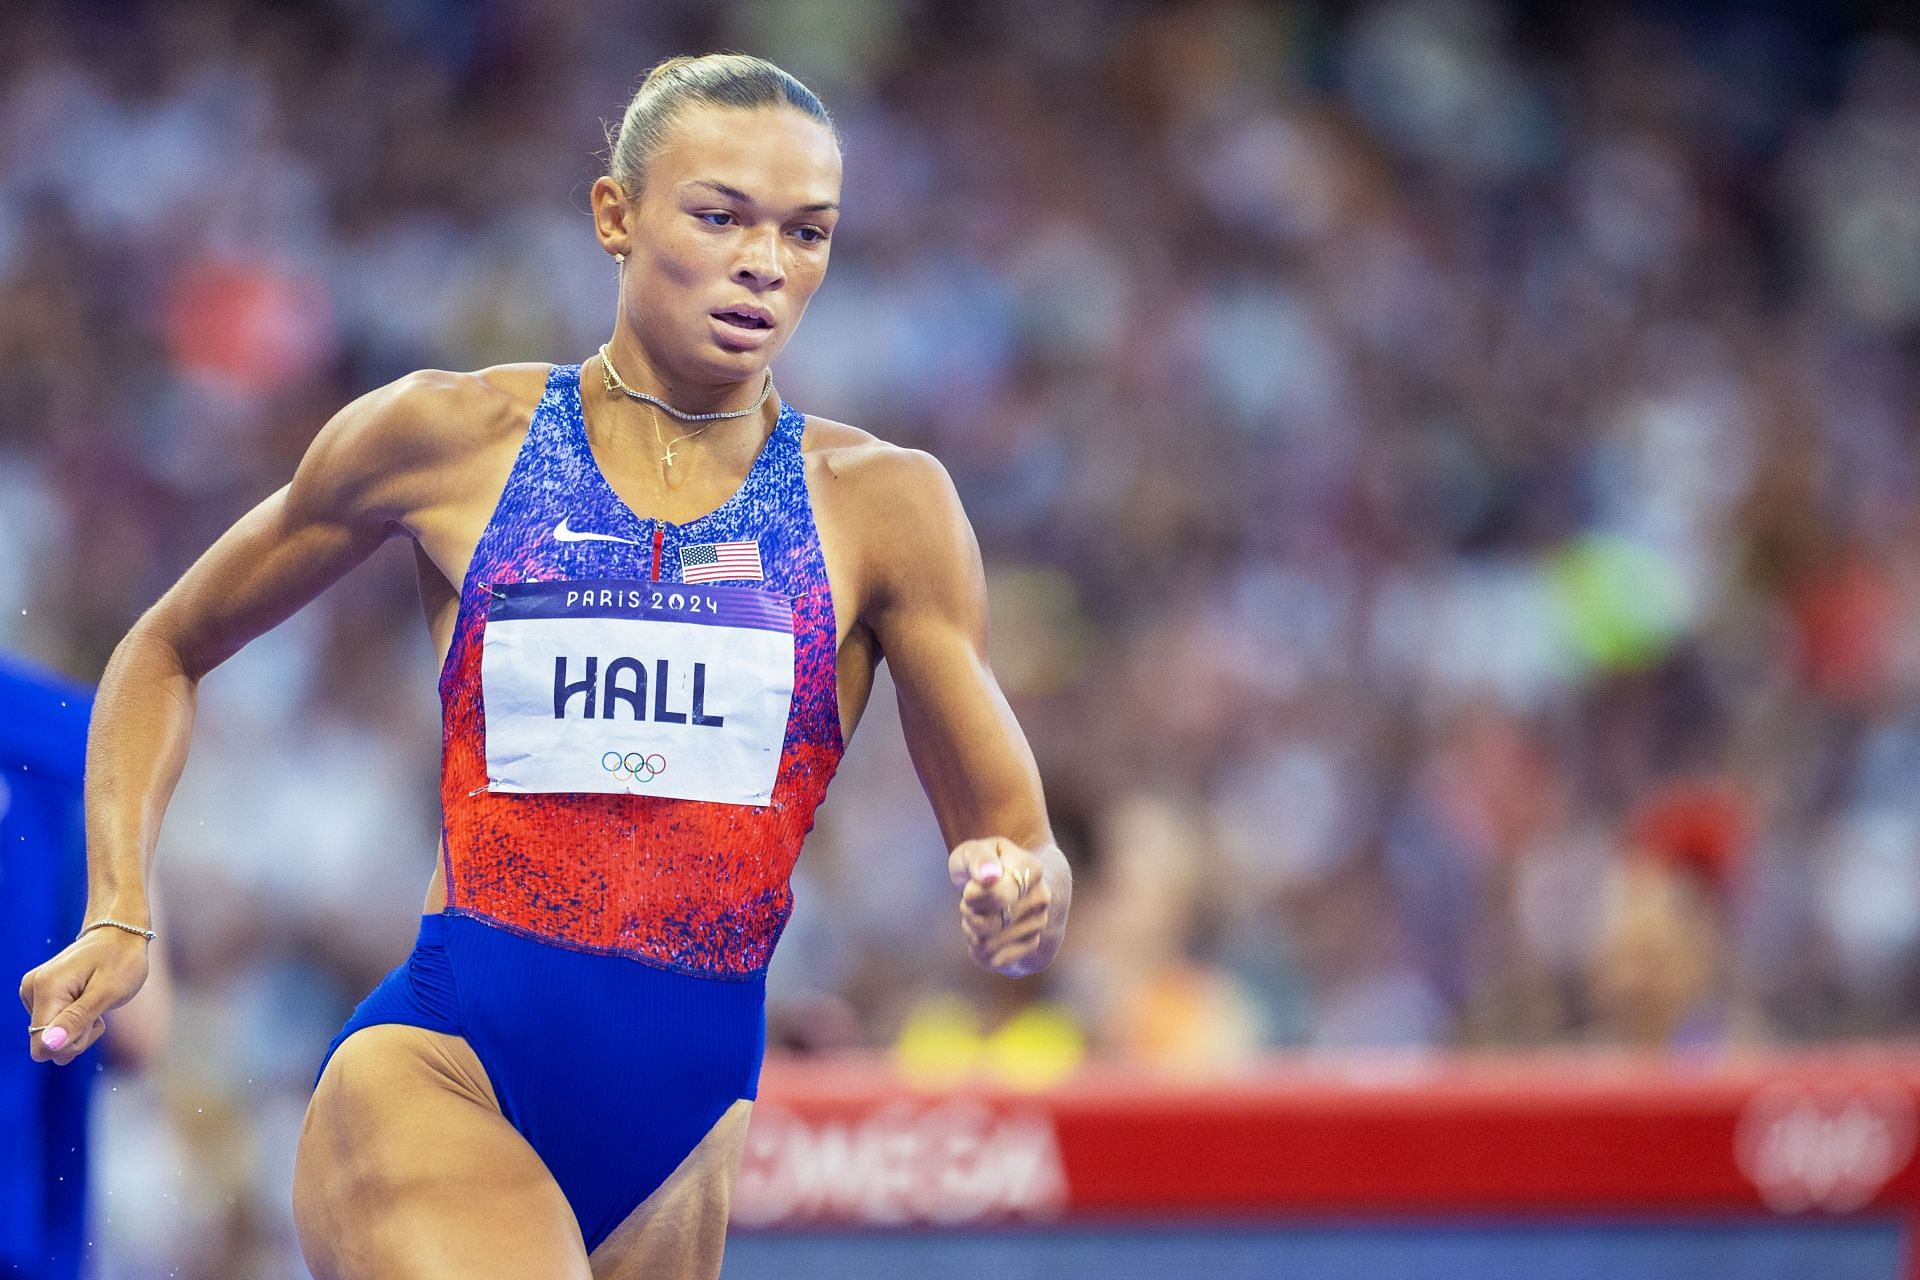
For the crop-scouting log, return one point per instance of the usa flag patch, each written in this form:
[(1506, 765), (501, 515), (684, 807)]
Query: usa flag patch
[(720, 561)]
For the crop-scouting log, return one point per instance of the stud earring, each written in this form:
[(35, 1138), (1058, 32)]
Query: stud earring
[(619, 259)]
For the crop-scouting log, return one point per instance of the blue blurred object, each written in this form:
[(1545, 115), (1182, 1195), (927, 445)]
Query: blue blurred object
[(1599, 1249), (43, 1107)]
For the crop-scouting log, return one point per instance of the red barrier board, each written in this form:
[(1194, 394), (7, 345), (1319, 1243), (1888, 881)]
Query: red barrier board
[(844, 1142)]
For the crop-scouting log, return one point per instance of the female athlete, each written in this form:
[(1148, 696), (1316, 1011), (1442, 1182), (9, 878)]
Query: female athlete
[(659, 593)]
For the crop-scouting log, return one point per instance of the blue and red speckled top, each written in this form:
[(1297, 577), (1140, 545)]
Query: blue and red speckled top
[(689, 885)]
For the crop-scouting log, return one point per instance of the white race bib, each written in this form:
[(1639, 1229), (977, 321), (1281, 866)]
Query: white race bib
[(631, 687)]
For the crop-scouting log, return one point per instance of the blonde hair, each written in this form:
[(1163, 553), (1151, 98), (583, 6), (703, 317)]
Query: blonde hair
[(737, 80)]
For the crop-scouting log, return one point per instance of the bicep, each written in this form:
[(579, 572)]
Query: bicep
[(967, 747), (273, 560), (339, 506)]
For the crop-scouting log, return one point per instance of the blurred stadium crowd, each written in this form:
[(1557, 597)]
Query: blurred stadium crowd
[(1446, 483)]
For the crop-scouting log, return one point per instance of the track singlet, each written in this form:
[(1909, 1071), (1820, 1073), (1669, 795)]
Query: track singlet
[(630, 762)]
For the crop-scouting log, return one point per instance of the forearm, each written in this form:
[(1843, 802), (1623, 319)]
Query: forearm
[(136, 748)]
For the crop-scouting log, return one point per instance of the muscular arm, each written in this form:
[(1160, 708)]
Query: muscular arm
[(929, 615), (367, 472), (350, 491)]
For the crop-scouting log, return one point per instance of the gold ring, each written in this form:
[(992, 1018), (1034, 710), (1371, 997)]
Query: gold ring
[(1020, 878), (31, 1030)]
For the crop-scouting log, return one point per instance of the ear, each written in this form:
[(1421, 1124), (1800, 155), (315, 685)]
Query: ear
[(612, 216)]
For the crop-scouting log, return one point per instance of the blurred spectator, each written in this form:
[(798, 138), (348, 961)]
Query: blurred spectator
[(44, 1141), (1153, 999), (43, 1154), (1662, 970)]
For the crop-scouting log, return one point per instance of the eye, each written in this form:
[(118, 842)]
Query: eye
[(819, 236), (714, 214)]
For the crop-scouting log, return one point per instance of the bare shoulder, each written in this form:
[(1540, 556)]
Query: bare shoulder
[(391, 449), (895, 506), (874, 476), (432, 411)]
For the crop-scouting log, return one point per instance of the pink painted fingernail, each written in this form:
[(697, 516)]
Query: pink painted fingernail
[(987, 872), (53, 1037)]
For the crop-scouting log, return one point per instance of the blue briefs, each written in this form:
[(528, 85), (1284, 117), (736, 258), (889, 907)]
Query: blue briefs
[(611, 1068)]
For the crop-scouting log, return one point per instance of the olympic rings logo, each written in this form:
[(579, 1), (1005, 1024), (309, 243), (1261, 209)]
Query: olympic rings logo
[(641, 768)]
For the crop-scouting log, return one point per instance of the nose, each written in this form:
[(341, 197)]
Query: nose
[(759, 265)]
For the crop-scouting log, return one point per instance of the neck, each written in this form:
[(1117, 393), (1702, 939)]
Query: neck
[(640, 373), (635, 429)]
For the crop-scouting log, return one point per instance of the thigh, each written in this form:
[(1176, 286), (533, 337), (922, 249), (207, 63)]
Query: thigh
[(678, 1232), (406, 1170)]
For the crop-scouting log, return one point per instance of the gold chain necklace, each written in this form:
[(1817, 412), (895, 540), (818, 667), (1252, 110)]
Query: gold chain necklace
[(610, 380)]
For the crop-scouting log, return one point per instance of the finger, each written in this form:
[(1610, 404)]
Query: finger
[(982, 933), (1008, 894), (989, 915), (1013, 934), (74, 1048), (66, 1022), (49, 999), (1017, 945), (989, 900), (1006, 877), (995, 940), (973, 933), (978, 860), (1012, 955), (45, 995), (1031, 911), (48, 1043), (960, 863)]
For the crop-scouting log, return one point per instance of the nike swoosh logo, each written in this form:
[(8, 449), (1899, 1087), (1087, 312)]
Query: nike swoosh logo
[(565, 534)]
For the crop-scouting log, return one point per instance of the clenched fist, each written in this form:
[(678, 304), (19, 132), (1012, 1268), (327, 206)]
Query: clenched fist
[(68, 997), (1008, 907)]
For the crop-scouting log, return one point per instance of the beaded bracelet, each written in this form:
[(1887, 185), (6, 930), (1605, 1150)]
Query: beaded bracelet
[(148, 934)]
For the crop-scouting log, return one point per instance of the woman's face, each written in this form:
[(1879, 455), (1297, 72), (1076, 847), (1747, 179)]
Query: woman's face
[(728, 240)]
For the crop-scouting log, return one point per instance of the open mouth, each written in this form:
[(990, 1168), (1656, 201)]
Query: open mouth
[(744, 319)]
